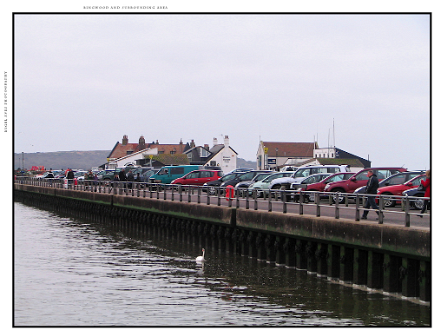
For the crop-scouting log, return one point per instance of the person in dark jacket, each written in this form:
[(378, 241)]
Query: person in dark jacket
[(70, 177), (427, 185), (130, 179), (123, 177), (371, 188)]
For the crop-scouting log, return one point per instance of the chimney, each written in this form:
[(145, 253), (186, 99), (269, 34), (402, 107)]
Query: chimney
[(214, 141), (226, 141), (125, 140), (206, 146), (180, 142), (141, 143), (192, 144)]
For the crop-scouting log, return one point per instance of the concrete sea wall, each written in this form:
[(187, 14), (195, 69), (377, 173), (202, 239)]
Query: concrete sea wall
[(391, 258)]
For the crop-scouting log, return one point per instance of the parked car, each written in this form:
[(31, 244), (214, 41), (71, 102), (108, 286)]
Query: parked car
[(46, 175), (167, 174), (139, 173), (212, 186), (79, 175), (398, 178), (304, 172), (307, 181), (247, 179), (240, 170), (320, 186), (361, 179), (415, 202), (146, 176), (288, 168), (199, 177), (107, 175), (261, 186), (398, 190)]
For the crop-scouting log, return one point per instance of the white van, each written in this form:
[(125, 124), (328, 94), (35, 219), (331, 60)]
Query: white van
[(304, 172)]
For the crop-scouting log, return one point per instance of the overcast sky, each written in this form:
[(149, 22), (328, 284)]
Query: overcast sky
[(83, 81)]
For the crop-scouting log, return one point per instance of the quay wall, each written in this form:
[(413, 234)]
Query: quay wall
[(394, 259)]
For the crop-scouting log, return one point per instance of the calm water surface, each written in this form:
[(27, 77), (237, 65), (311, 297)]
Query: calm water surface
[(72, 273)]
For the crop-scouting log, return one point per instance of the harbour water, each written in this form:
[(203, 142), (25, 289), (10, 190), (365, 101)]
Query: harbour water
[(68, 272)]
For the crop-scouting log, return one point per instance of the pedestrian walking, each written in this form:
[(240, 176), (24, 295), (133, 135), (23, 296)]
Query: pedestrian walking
[(123, 177), (130, 179), (88, 179), (427, 185), (70, 177), (371, 189)]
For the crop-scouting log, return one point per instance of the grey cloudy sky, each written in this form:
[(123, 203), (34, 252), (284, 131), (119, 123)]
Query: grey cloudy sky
[(83, 81)]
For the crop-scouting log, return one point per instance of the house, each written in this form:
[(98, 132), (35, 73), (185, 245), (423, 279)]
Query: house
[(273, 155), (127, 148), (156, 155), (343, 157), (221, 155)]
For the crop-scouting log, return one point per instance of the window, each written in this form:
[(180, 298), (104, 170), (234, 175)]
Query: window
[(177, 170), (382, 174), (362, 176), (335, 178), (416, 182), (206, 174), (193, 175), (302, 173), (397, 179), (204, 152)]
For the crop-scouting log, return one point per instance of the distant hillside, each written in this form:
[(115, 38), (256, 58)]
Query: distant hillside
[(63, 159), (78, 160), (246, 163)]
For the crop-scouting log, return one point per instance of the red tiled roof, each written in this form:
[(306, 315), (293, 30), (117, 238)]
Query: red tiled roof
[(121, 150), (291, 149)]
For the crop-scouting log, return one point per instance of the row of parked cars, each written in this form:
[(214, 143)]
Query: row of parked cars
[(318, 178), (395, 181)]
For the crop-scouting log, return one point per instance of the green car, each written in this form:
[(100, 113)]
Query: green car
[(169, 173)]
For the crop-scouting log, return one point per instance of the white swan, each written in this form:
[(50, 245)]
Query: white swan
[(202, 257)]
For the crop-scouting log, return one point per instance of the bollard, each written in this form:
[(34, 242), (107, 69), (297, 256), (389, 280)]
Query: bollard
[(229, 192)]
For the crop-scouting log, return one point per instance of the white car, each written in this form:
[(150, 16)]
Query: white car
[(303, 172), (261, 187)]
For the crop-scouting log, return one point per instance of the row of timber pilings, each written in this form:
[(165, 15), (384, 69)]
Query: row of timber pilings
[(392, 259)]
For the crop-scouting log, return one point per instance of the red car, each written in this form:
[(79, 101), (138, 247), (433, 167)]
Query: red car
[(198, 177), (320, 186), (398, 190), (361, 179)]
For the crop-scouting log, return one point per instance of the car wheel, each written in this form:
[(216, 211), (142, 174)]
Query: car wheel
[(212, 190), (311, 197), (388, 200), (418, 204), (340, 199)]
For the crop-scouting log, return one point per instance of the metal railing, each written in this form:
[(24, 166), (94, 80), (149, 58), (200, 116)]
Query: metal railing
[(294, 201)]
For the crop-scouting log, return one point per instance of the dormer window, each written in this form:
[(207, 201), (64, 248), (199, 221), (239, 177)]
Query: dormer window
[(204, 152)]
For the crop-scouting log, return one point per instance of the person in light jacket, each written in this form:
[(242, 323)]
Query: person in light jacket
[(371, 188), (427, 185)]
